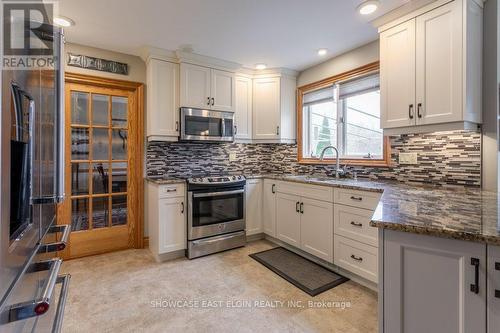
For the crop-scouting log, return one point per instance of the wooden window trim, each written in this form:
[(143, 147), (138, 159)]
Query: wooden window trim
[(357, 72)]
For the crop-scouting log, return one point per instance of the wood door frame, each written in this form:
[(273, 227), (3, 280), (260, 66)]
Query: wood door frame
[(136, 174)]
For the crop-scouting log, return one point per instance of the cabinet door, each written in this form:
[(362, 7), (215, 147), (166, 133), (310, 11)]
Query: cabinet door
[(172, 220), (439, 65), (266, 108), (163, 98), (316, 228), (254, 207), (397, 76), (222, 90), (288, 219), (195, 86), (269, 210), (427, 284), (493, 295), (243, 108)]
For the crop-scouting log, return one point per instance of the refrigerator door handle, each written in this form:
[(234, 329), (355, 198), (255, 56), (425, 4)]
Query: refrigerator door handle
[(60, 127)]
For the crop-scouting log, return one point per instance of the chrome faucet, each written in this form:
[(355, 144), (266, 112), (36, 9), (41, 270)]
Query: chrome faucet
[(337, 165)]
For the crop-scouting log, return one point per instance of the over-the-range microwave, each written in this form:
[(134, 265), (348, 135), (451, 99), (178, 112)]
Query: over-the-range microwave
[(206, 125)]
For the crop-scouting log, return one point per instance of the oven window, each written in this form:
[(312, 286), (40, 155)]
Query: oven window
[(203, 126), (217, 209)]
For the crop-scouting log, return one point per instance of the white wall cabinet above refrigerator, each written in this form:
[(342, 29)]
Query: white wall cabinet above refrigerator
[(431, 69), (207, 88), (243, 109), (162, 117)]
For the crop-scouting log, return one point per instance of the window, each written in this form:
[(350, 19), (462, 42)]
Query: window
[(344, 113)]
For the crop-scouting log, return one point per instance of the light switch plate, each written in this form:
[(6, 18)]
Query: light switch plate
[(232, 157), (408, 158)]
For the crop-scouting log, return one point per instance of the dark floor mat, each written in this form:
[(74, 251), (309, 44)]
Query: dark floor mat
[(303, 273)]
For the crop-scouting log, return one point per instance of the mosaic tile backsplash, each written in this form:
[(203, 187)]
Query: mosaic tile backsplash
[(445, 158)]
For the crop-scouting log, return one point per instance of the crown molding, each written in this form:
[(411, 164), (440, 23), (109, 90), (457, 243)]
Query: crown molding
[(148, 52), (201, 60)]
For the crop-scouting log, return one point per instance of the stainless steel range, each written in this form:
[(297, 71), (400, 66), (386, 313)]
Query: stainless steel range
[(216, 214)]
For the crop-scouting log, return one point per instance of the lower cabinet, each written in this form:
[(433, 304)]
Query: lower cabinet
[(433, 284), (253, 207), (306, 224), (288, 219), (166, 218), (493, 293), (269, 207)]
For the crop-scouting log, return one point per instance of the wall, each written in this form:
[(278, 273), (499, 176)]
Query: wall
[(136, 67), (347, 61), (447, 158)]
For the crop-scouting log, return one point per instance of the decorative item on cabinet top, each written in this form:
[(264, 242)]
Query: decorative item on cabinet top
[(103, 65)]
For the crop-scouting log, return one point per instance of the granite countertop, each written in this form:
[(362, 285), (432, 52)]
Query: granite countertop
[(165, 180), (459, 213)]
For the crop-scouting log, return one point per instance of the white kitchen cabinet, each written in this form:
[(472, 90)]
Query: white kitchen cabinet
[(431, 69), (253, 207), (243, 109), (288, 219), (207, 88), (274, 109), (428, 284), (316, 228), (354, 223), (166, 218), (269, 207), (493, 293), (397, 75), (162, 116)]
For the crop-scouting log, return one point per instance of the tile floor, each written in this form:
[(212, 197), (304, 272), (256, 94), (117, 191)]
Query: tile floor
[(116, 292)]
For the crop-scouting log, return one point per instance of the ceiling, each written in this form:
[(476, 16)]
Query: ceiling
[(279, 33)]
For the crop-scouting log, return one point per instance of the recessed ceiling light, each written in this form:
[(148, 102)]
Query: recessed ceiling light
[(368, 7), (63, 21), (322, 52), (260, 66)]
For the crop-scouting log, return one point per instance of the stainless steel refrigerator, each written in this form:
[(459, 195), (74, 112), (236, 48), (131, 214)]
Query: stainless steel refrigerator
[(32, 291)]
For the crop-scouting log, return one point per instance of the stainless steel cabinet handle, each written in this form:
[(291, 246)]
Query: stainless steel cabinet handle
[(356, 224), (475, 287), (277, 130), (419, 110), (208, 100), (64, 280), (273, 188), (356, 198), (410, 111), (40, 305), (356, 258), (56, 246), (235, 129), (182, 207), (301, 208), (213, 101), (297, 207)]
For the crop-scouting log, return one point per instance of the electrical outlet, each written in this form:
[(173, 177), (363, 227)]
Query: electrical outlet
[(408, 158), (232, 157)]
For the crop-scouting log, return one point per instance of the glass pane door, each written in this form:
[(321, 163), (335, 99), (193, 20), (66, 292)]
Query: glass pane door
[(99, 155)]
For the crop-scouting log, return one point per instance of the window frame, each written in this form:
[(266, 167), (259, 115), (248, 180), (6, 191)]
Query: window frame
[(385, 161)]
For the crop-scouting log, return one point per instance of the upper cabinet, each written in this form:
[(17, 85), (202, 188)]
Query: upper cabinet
[(243, 108), (274, 116), (162, 116), (207, 88), (430, 69)]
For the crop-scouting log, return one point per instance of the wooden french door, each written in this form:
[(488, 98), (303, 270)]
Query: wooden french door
[(103, 166)]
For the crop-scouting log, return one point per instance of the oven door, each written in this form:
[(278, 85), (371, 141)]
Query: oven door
[(215, 213), (206, 125)]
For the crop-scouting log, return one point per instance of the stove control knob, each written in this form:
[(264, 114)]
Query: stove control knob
[(210, 180), (239, 177), (234, 177)]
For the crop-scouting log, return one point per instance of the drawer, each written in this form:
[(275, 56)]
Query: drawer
[(354, 223), (360, 199), (171, 191), (356, 257), (323, 193)]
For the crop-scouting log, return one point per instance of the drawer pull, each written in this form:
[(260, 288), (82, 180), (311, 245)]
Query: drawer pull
[(356, 224), (170, 190), (356, 198), (356, 258)]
